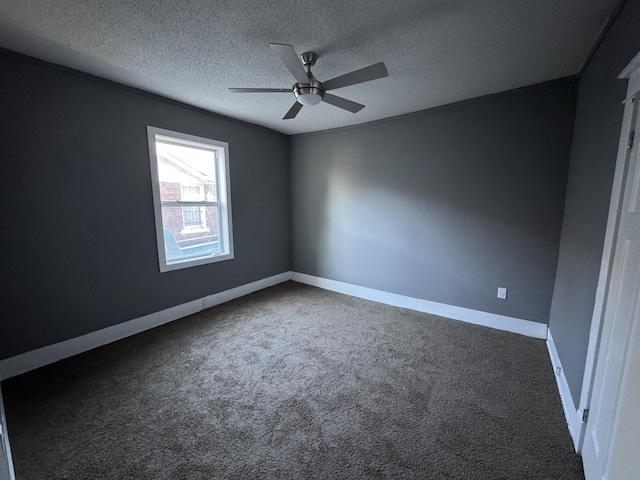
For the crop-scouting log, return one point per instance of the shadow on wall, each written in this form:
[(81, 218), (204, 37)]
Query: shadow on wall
[(367, 223), (446, 205)]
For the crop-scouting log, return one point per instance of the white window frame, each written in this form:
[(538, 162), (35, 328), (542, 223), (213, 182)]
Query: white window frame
[(223, 202)]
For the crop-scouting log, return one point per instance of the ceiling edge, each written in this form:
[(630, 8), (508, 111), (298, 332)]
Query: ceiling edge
[(130, 89), (607, 26), (460, 103)]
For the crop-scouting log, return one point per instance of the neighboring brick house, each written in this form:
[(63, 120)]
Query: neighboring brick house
[(180, 181)]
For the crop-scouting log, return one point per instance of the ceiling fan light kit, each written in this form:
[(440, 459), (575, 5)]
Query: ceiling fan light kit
[(309, 94), (308, 90)]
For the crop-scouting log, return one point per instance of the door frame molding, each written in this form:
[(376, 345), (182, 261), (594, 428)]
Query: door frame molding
[(6, 461), (631, 73)]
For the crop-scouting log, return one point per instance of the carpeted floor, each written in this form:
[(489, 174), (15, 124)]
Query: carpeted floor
[(295, 382)]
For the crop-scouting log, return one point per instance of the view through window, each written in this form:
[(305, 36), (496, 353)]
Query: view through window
[(191, 199)]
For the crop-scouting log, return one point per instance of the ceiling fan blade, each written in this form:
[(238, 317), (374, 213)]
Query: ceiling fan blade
[(342, 103), (290, 59), (293, 111), (365, 74), (261, 90)]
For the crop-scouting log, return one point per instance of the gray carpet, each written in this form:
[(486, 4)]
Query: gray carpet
[(295, 382)]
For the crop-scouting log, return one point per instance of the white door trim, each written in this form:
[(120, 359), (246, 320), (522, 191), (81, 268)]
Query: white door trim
[(632, 74), (6, 461), (573, 416)]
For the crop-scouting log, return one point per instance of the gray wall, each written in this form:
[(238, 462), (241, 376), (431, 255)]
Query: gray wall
[(78, 241), (445, 205), (593, 155)]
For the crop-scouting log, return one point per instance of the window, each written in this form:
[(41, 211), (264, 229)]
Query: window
[(191, 199)]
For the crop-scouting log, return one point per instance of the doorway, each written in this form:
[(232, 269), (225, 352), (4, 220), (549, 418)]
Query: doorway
[(612, 383)]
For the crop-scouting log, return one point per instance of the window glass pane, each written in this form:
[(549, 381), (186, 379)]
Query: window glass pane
[(186, 173), (190, 232)]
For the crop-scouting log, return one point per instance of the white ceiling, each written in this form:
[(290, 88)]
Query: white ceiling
[(436, 51)]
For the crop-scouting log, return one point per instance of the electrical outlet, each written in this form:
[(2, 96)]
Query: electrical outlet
[(502, 293)]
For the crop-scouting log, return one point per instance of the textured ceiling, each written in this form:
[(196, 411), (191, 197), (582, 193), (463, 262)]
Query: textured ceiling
[(436, 51)]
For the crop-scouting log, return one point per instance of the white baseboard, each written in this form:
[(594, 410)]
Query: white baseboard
[(574, 419), (40, 357), (500, 322)]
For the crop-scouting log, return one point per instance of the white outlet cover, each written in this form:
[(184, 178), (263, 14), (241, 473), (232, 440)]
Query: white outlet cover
[(502, 293)]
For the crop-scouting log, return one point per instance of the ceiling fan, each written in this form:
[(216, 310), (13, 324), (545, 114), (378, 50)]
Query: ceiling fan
[(308, 89)]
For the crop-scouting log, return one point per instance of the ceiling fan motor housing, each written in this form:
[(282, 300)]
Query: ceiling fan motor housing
[(310, 93), (308, 59)]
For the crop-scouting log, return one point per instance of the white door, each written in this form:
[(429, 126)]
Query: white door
[(611, 448), (4, 461), (6, 466)]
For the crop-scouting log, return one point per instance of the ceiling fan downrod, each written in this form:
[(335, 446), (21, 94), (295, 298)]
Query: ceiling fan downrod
[(311, 93)]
